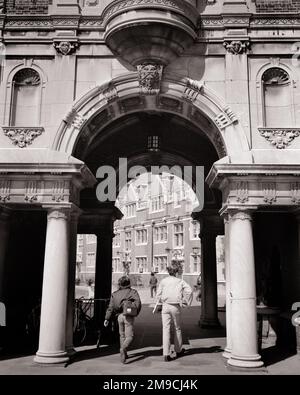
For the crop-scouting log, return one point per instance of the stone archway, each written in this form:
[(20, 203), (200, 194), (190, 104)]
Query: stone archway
[(189, 99)]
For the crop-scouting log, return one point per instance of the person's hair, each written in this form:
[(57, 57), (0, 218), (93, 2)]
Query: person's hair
[(174, 268), (152, 273), (124, 281)]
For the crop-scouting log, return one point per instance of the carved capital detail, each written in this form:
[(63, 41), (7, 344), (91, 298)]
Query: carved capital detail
[(65, 47), (279, 138), (237, 47), (192, 90), (59, 213), (5, 189), (73, 118), (239, 215), (269, 192), (226, 118), (150, 76), (295, 192), (242, 192), (22, 136)]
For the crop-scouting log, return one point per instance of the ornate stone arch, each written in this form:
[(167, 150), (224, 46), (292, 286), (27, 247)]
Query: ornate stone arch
[(189, 99)]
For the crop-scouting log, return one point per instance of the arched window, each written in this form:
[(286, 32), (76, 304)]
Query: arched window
[(26, 98), (277, 98)]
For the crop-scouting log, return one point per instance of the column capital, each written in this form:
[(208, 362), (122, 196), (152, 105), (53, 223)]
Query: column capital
[(243, 215)]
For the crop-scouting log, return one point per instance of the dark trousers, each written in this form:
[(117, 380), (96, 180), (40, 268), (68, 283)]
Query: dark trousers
[(153, 291)]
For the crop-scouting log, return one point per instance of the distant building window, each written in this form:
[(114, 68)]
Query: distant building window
[(128, 240), (131, 210), (141, 236), (141, 264), (153, 143), (90, 261), (195, 264), (91, 239), (277, 98), (195, 230), (160, 234), (177, 198), (178, 235), (157, 203), (117, 240), (116, 265), (26, 98), (79, 257), (160, 263)]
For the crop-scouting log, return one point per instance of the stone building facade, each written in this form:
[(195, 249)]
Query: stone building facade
[(84, 83)]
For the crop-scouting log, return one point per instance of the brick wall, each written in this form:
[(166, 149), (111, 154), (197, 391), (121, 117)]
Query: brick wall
[(278, 6), (27, 6)]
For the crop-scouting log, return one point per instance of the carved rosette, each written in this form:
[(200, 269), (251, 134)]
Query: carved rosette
[(150, 76), (21, 136), (279, 138), (237, 47), (65, 47)]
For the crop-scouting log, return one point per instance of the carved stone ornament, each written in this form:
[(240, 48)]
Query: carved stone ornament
[(74, 118), (31, 191), (295, 192), (237, 47), (226, 118), (279, 138), (150, 77), (22, 136), (269, 192), (242, 192), (65, 47), (192, 89), (5, 187)]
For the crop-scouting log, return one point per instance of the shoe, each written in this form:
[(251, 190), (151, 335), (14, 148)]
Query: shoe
[(123, 355), (180, 354), (167, 358)]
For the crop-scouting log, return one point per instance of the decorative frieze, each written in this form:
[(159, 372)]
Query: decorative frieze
[(192, 90), (22, 136), (280, 138), (31, 191), (269, 192), (226, 118), (65, 47), (295, 192), (237, 47), (5, 189), (242, 191), (150, 76)]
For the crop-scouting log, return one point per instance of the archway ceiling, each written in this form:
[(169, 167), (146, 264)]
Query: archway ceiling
[(127, 138)]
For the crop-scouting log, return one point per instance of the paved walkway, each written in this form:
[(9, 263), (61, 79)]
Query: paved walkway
[(203, 357)]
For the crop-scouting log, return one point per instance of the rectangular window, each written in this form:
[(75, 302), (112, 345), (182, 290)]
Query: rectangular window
[(117, 240), (195, 230), (116, 265), (141, 264), (160, 234), (128, 241), (141, 236), (195, 264), (90, 262), (178, 235), (131, 210), (157, 203), (160, 264)]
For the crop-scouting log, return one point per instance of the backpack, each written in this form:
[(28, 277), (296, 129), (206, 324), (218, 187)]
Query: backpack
[(129, 307)]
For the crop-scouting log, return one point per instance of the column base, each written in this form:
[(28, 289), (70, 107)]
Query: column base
[(227, 353), (71, 352), (246, 362), (55, 358), (208, 323)]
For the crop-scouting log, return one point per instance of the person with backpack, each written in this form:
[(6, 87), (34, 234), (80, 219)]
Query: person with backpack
[(125, 303), (173, 293)]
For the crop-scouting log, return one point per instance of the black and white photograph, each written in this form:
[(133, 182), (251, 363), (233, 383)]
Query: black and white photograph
[(149, 191)]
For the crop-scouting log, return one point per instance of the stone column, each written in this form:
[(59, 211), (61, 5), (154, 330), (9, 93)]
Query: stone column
[(71, 282), (243, 292), (4, 233), (209, 293), (52, 341), (227, 352)]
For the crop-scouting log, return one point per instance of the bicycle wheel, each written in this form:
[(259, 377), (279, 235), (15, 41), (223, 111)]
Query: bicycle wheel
[(79, 329)]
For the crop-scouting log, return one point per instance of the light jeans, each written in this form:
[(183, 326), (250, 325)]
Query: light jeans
[(125, 330), (171, 313)]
